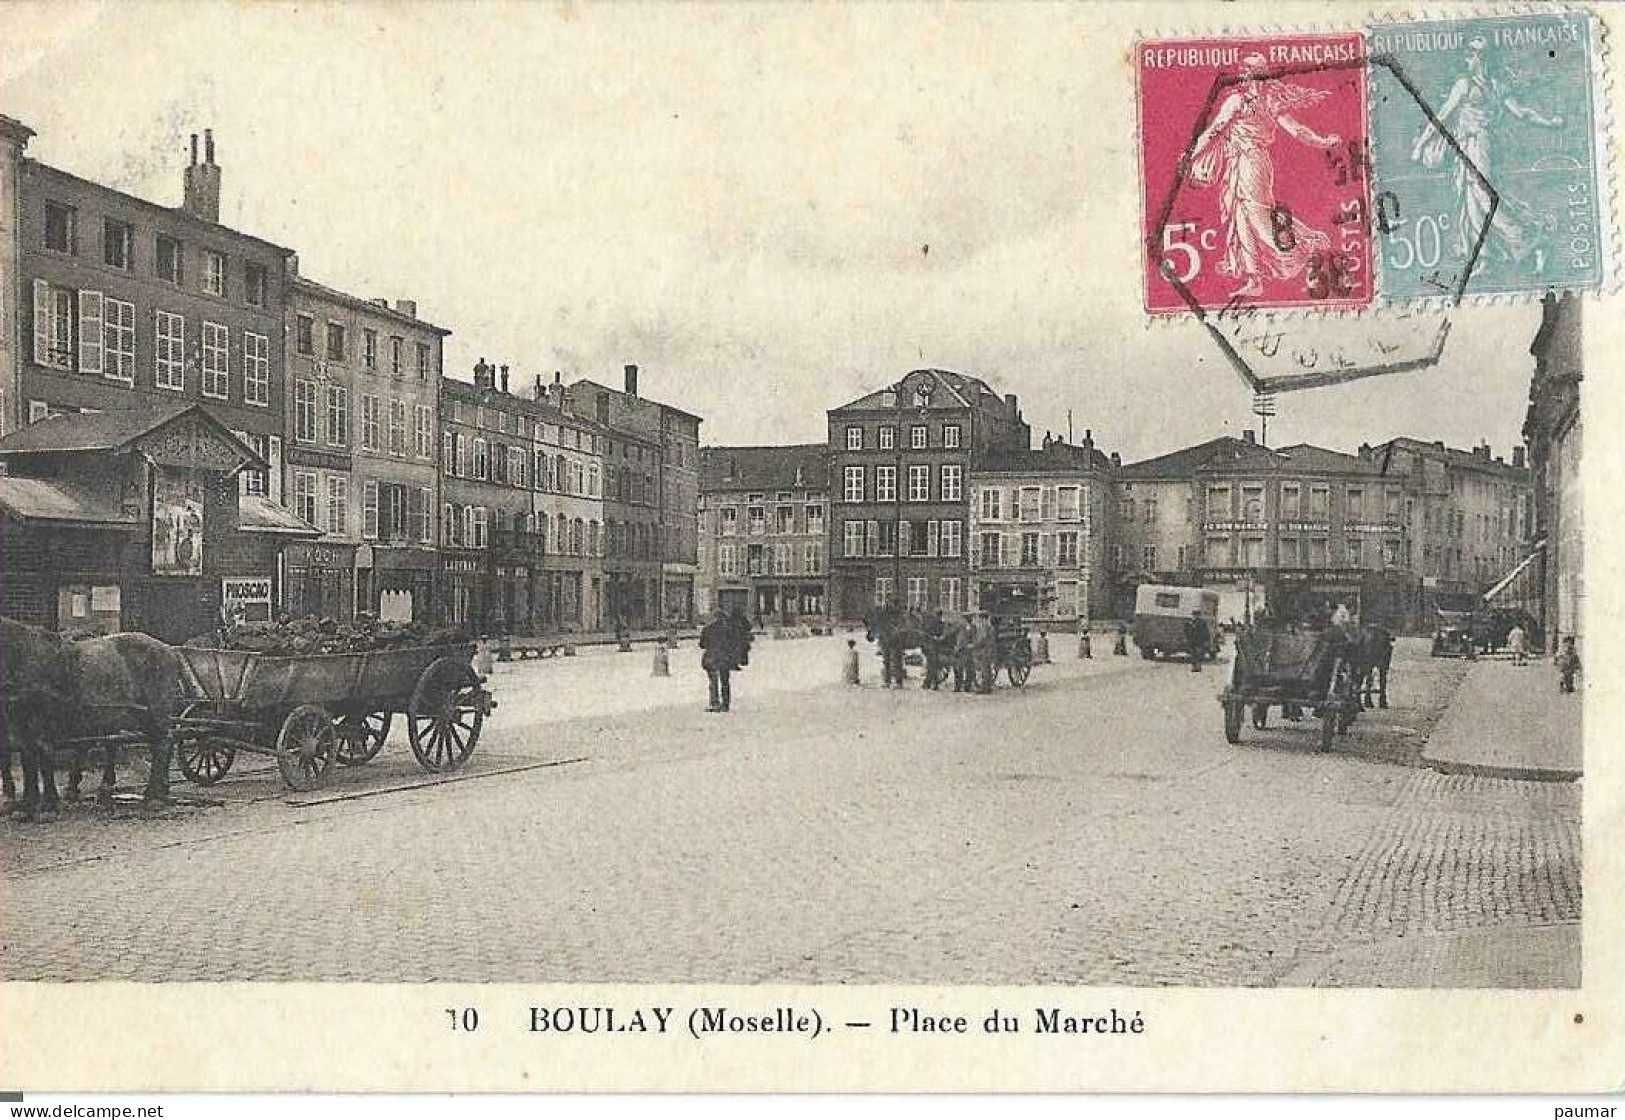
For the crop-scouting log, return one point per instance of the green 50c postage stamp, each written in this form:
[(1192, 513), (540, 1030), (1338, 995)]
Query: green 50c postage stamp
[(1487, 156)]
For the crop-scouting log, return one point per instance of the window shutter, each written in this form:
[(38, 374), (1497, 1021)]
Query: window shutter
[(42, 323), (1047, 503), (273, 476), (242, 475), (90, 332), (932, 528)]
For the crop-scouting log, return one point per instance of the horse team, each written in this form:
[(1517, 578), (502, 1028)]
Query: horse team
[(966, 647)]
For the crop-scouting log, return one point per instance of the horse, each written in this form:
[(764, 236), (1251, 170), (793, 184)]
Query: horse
[(895, 632), (976, 655), (92, 688), (1371, 654), (34, 689)]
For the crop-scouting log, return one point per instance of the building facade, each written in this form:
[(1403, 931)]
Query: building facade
[(1554, 432), (362, 453), (14, 137), (1039, 528), (900, 460), (763, 540), (654, 465)]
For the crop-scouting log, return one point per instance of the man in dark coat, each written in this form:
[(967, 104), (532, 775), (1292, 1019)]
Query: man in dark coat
[(1196, 639), (718, 657), (743, 635), (935, 631)]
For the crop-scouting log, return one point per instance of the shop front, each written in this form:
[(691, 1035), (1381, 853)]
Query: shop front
[(396, 583), (319, 579), (463, 580)]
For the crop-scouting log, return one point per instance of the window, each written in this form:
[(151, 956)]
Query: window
[(216, 375), (1354, 510), (815, 519), (1028, 509), (369, 425), (480, 538), (1317, 552), (256, 368), (423, 437), (917, 594), (886, 484), (516, 466), (992, 504), (730, 521), (852, 488), (1291, 500), (756, 520), (335, 342), (1066, 599), (118, 243), (305, 335), (169, 354), (1290, 557), (992, 550), (916, 437), (304, 495), (482, 465), (950, 538), (953, 482), (784, 519), (950, 437), (395, 344), (883, 590), (1252, 503), (919, 483), (948, 594), (888, 437), (1219, 553), (1319, 501), (369, 348), (1392, 504), (812, 558), (304, 411), (1029, 550), (1252, 552), (1218, 503), (254, 285), (61, 227), (338, 415), (338, 504), (423, 361), (168, 259), (397, 428), (1067, 502), (853, 542), (1068, 550), (1125, 510), (118, 334), (781, 559), (38, 410), (1356, 553), (1390, 554), (854, 439), (214, 272), (369, 510)]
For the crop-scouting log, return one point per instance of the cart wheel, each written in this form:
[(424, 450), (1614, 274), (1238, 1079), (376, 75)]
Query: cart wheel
[(204, 761), (445, 715), (1232, 720), (1018, 674), (361, 737), (305, 747)]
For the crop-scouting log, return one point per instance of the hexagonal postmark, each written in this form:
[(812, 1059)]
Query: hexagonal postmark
[(1253, 161), (1485, 148)]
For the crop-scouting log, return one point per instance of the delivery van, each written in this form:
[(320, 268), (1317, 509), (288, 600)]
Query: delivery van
[(1160, 613)]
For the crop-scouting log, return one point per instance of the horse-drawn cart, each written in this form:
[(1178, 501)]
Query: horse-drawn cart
[(1013, 652), (1294, 671), (307, 711)]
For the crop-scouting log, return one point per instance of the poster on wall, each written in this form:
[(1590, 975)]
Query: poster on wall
[(177, 528), (248, 598)]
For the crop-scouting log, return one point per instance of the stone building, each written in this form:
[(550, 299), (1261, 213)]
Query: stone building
[(763, 542), (1039, 527), (900, 460), (1554, 432), (362, 453)]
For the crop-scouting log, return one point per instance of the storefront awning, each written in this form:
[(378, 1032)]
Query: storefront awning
[(62, 500), (258, 514), (1507, 580)]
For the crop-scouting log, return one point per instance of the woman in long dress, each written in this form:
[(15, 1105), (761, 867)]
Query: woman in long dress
[(1235, 150)]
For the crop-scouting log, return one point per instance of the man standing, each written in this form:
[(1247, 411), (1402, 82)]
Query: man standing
[(934, 630), (718, 657), (1518, 642), (1196, 639)]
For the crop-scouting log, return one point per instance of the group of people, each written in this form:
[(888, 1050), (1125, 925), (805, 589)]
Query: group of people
[(725, 642)]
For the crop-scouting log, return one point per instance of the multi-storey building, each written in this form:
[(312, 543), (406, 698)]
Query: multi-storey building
[(899, 466), (1039, 525), (362, 452), (655, 464), (1554, 433), (128, 300), (1292, 527), (14, 137), (522, 508), (763, 545)]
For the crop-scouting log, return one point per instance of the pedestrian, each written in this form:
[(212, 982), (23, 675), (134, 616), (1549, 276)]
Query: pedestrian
[(718, 657), (933, 631), (662, 661), (1568, 665), (1085, 653), (850, 673), (1196, 640), (1518, 643), (1120, 646), (742, 637), (1040, 649)]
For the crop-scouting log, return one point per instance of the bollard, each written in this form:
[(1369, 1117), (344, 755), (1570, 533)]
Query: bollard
[(662, 662)]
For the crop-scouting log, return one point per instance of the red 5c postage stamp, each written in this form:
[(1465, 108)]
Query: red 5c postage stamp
[(1254, 173)]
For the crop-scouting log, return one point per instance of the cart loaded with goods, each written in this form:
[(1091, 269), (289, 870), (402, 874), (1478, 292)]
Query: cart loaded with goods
[(1294, 671)]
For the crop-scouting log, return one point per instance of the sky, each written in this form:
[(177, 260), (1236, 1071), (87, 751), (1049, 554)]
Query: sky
[(770, 209)]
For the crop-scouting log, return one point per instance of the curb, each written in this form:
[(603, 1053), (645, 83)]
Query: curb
[(1513, 773)]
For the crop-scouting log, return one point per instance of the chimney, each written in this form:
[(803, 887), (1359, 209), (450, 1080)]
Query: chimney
[(631, 381), (504, 378), (1483, 450), (1365, 451), (536, 390), (1438, 444), (379, 302), (407, 307), (1012, 404), (1517, 457), (1249, 436), (1117, 459), (482, 374), (200, 187), (801, 476), (1088, 440), (556, 390)]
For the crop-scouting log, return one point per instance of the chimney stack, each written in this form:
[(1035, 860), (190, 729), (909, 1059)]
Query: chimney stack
[(1013, 405), (1117, 459), (536, 390), (1517, 457), (1088, 439), (200, 187), (504, 378), (1249, 436), (482, 374), (631, 381), (407, 307)]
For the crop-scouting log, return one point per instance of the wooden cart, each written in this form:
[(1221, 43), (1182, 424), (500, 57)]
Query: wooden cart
[(1292, 671)]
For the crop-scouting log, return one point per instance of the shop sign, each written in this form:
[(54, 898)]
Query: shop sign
[(1304, 527), (470, 566), (306, 555), (248, 598), (1235, 526)]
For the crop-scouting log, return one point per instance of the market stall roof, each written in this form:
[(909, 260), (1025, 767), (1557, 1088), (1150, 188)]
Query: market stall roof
[(1522, 566), (61, 499), (258, 514), (115, 430)]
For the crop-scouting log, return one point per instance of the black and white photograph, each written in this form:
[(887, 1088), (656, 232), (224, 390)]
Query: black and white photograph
[(723, 521)]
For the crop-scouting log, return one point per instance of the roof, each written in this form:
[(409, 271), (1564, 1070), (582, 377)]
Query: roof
[(301, 283), (1057, 458), (964, 388), (1223, 453), (258, 514), (647, 400), (1455, 456), (61, 499), (1321, 460), (114, 430), (764, 468), (530, 407)]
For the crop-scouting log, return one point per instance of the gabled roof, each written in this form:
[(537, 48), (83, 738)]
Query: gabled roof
[(62, 499), (764, 468), (1454, 456), (1225, 452), (1057, 458), (964, 388), (1321, 460), (322, 291), (115, 430)]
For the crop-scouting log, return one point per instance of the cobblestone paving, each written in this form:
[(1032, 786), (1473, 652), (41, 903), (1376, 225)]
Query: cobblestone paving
[(1093, 828)]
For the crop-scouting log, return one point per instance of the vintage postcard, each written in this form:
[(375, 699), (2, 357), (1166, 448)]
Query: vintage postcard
[(844, 547)]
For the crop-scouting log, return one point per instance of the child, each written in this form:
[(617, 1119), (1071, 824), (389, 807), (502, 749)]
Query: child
[(849, 668), (1568, 664), (1085, 652), (1120, 646)]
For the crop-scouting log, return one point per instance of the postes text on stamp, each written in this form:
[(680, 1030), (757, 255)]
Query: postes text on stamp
[(1486, 166), (1253, 160)]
